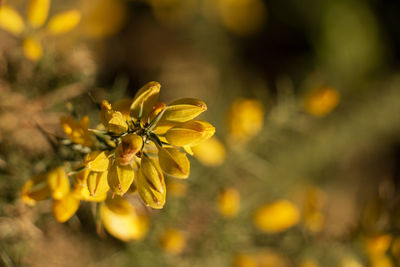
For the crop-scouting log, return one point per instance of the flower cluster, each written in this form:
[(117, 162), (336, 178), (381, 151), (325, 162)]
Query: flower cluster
[(138, 142)]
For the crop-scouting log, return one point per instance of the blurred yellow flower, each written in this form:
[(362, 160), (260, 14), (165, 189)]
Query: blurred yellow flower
[(77, 132), (377, 245), (321, 101), (210, 152), (276, 217), (31, 35), (173, 241), (65, 207), (245, 119), (228, 202), (242, 17), (122, 221), (35, 189), (271, 259)]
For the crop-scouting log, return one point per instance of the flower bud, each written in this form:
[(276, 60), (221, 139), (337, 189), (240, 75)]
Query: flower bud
[(145, 99), (64, 208), (97, 183), (121, 219), (190, 133), (97, 161), (174, 162), (151, 184), (183, 110), (58, 183), (128, 148), (120, 178), (211, 152)]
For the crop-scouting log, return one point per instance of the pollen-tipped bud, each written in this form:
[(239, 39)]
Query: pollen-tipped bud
[(174, 162), (120, 178), (113, 120), (151, 184), (184, 109), (190, 133), (64, 208), (145, 99), (128, 148)]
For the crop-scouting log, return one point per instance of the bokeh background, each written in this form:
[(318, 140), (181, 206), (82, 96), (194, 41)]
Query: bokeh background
[(305, 97)]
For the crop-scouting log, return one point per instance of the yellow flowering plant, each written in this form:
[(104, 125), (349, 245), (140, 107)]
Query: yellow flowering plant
[(34, 30), (129, 153)]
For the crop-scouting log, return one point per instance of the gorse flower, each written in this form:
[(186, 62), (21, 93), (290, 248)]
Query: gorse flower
[(34, 30), (136, 148)]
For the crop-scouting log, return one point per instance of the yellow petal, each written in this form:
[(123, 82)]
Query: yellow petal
[(10, 20), (35, 189), (229, 202), (378, 245), (32, 49), (210, 152), (162, 127), (153, 174), (64, 22), (145, 99), (77, 132), (184, 109), (150, 190), (190, 133), (97, 161), (174, 162), (276, 217), (64, 208), (117, 123), (120, 178), (58, 183), (105, 112), (82, 192), (37, 12), (123, 106), (122, 221), (173, 241), (97, 183)]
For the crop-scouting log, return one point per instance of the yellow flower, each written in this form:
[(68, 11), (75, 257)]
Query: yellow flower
[(113, 120), (381, 261), (183, 110), (122, 220), (145, 99), (77, 132), (272, 259), (11, 21), (210, 152), (58, 183), (245, 119), (120, 178), (229, 202), (321, 101), (276, 217), (173, 241)]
